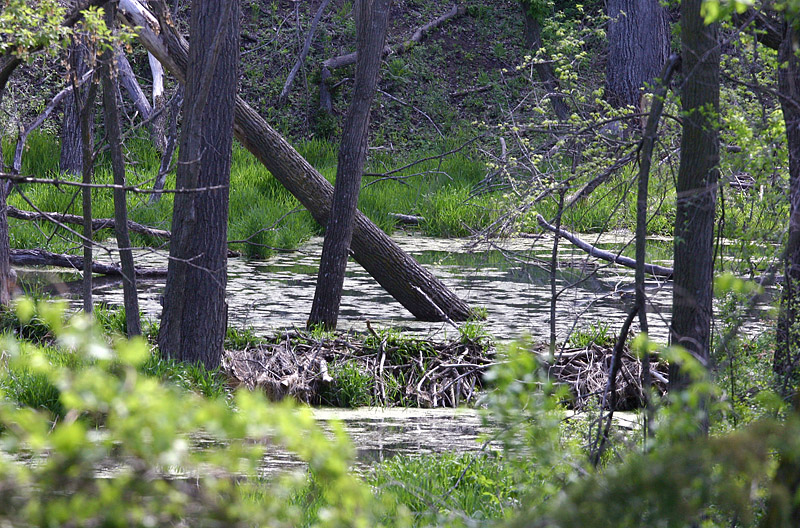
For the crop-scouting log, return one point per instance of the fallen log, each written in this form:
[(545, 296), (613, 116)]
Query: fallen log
[(350, 58), (650, 269), (40, 257), (407, 219), (416, 288), (97, 223)]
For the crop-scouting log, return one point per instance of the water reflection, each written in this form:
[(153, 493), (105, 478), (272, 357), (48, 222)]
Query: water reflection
[(509, 278)]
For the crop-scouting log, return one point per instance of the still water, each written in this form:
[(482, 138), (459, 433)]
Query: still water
[(509, 278)]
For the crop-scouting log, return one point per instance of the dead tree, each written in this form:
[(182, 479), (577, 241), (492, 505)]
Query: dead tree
[(372, 20)]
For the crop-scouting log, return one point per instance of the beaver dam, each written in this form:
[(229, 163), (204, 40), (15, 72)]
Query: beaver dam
[(386, 369)]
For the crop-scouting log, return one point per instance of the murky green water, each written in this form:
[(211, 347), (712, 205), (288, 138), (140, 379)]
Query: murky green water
[(508, 278)]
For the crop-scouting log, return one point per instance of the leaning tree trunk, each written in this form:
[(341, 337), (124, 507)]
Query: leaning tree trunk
[(71, 160), (372, 19), (194, 319), (696, 190), (114, 135), (403, 277), (638, 46), (786, 364)]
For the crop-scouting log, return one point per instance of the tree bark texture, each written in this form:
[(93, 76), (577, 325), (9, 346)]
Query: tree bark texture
[(696, 190), (371, 23), (194, 319), (6, 279), (786, 363), (86, 121), (638, 46), (114, 136), (404, 278), (71, 160), (533, 41)]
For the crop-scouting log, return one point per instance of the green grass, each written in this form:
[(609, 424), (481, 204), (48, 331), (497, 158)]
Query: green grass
[(263, 216), (448, 489)]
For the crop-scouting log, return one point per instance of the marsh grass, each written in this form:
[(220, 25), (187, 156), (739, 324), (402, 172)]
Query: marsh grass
[(263, 216)]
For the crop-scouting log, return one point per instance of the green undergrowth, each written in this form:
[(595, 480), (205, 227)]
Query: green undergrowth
[(263, 216)]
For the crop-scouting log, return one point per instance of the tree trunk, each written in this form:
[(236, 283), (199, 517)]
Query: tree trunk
[(787, 354), (696, 190), (114, 135), (372, 18), (638, 46), (408, 282), (194, 319), (86, 120), (7, 283), (533, 41), (71, 160), (128, 81)]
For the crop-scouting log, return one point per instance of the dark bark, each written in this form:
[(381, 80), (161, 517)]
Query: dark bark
[(371, 20), (403, 277), (86, 119), (645, 159), (114, 136), (194, 319), (6, 282), (533, 41), (696, 190), (638, 46), (787, 352), (71, 160)]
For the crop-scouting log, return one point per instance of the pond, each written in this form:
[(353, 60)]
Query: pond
[(509, 278)]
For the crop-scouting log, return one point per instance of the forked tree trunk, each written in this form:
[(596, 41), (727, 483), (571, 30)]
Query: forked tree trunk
[(114, 136), (408, 282), (638, 46), (372, 19), (696, 190), (194, 319)]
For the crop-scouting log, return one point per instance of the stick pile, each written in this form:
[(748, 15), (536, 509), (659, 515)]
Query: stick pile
[(586, 370), (401, 371)]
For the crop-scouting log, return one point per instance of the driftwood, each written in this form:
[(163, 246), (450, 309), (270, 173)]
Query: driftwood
[(97, 223), (650, 269), (416, 288), (300, 366), (350, 58), (40, 257)]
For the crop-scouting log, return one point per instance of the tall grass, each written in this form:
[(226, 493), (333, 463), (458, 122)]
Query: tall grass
[(263, 216)]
